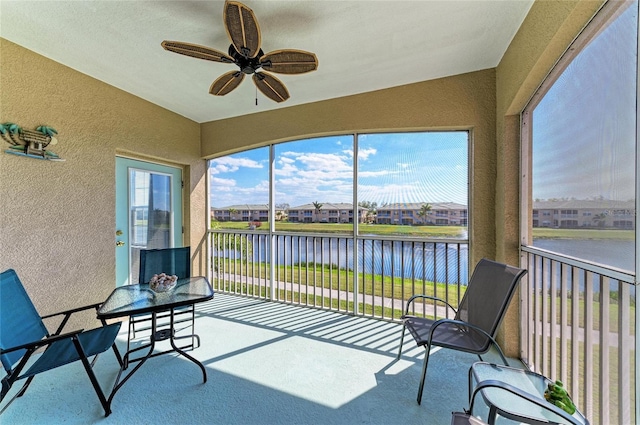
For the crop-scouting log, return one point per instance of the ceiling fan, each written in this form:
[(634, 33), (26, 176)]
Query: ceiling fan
[(244, 51)]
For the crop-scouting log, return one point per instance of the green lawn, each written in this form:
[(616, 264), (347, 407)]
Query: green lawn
[(546, 233), (457, 232), (339, 279)]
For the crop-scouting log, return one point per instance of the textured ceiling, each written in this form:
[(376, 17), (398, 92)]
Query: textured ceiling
[(361, 45)]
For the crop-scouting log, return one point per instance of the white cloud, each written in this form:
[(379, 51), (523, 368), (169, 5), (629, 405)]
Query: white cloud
[(229, 164), (364, 154), (224, 192), (324, 161), (378, 173), (222, 184)]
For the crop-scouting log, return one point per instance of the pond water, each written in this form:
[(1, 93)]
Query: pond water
[(619, 254), (442, 262)]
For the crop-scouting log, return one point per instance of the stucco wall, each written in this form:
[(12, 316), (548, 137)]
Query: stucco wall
[(461, 102), (57, 226)]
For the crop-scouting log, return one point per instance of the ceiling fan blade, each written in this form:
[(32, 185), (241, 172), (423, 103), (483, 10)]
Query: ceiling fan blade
[(226, 83), (196, 51), (270, 86), (289, 61), (242, 28)]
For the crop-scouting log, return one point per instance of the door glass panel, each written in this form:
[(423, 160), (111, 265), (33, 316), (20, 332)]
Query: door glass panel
[(150, 221)]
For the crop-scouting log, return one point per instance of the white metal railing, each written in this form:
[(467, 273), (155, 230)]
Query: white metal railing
[(365, 275), (580, 325)]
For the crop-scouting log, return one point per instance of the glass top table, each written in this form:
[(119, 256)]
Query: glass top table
[(129, 300), (138, 299), (511, 406)]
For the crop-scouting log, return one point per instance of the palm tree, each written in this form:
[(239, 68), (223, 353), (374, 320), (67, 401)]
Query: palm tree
[(424, 212), (317, 205), (371, 211), (232, 212), (600, 219)]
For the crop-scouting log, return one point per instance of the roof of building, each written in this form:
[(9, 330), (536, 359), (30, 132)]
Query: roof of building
[(243, 207), (418, 206), (326, 206), (583, 204)]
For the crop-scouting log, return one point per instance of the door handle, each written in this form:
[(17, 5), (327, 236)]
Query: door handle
[(120, 243)]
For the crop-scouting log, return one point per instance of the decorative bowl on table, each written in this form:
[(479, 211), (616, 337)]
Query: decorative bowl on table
[(163, 282)]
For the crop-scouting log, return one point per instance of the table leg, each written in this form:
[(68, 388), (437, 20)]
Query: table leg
[(184, 354), (119, 383), (493, 413)]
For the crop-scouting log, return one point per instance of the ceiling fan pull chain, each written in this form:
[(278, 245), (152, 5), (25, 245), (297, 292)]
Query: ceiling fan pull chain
[(256, 95)]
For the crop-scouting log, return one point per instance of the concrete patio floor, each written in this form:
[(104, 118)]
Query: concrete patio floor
[(267, 363)]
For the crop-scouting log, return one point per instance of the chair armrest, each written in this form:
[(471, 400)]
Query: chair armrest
[(67, 314), (42, 342), (492, 383), (73, 310), (423, 296)]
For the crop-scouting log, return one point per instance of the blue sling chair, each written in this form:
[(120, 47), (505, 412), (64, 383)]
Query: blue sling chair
[(171, 261), (23, 332)]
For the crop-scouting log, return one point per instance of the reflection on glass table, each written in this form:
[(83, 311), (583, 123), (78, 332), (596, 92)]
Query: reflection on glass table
[(514, 395)]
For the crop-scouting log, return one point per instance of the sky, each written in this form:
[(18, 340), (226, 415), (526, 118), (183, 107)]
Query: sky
[(584, 129), (392, 168)]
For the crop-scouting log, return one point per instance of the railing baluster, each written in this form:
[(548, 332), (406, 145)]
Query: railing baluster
[(625, 352), (446, 276), (604, 327), (544, 324), (322, 280), (575, 337), (300, 240), (537, 319), (588, 344), (563, 323), (435, 285), (306, 270), (553, 320)]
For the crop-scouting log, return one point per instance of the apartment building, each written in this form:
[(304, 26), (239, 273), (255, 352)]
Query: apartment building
[(581, 213), (427, 213), (326, 213), (241, 212)]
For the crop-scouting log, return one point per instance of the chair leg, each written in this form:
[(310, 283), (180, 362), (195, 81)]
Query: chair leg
[(25, 386), (8, 403), (401, 340), (117, 354), (424, 372), (92, 377), (7, 382)]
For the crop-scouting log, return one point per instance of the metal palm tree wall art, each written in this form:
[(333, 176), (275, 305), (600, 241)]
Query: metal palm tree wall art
[(30, 143)]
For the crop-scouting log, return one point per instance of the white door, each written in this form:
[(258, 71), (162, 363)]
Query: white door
[(148, 213)]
